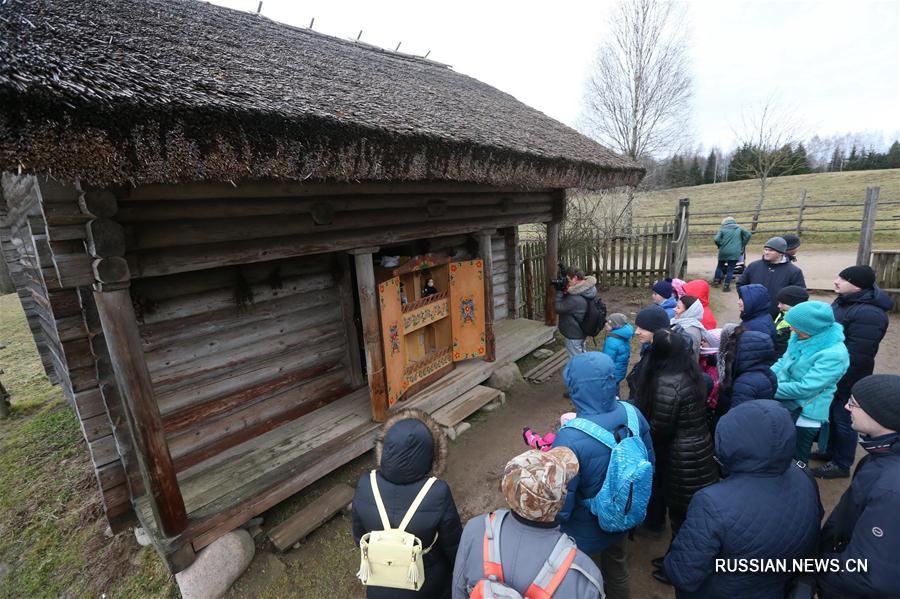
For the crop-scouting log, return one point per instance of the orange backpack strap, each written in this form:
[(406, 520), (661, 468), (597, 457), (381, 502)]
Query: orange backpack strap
[(554, 570), (493, 568)]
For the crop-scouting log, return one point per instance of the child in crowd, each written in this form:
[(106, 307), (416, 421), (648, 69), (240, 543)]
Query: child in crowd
[(663, 296), (700, 289), (688, 317), (808, 372), (618, 343), (753, 302), (545, 441), (787, 298)]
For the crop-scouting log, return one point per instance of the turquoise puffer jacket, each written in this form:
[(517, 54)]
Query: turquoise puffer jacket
[(809, 371), (618, 347)]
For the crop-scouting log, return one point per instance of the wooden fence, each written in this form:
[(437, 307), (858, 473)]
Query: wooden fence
[(886, 264), (636, 260)]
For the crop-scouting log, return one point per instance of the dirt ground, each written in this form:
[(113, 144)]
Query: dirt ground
[(324, 564)]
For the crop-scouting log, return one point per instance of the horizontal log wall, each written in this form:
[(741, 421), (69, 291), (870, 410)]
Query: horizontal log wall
[(238, 350)]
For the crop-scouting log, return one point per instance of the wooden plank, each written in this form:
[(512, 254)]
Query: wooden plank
[(103, 451), (110, 475), (487, 257), (348, 317), (542, 367), (550, 268), (465, 405), (96, 427), (89, 403), (371, 325), (133, 378), (311, 517)]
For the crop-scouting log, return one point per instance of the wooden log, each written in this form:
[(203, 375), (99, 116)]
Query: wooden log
[(111, 270), (98, 204), (96, 427), (105, 237), (348, 317), (133, 378), (487, 258), (89, 403), (110, 475), (368, 307), (550, 268), (311, 517), (64, 213), (103, 451), (513, 259), (66, 232)]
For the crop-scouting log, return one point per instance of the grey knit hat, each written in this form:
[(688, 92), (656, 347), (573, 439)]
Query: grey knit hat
[(778, 244), (879, 396), (617, 319)]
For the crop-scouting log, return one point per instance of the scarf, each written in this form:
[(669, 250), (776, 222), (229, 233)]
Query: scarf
[(691, 317)]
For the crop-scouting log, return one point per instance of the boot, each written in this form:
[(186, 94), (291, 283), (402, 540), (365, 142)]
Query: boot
[(726, 287), (831, 470)]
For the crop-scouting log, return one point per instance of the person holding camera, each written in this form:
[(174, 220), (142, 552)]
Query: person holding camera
[(572, 297)]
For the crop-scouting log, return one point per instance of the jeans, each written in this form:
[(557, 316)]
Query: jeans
[(574, 346), (613, 566), (725, 267), (843, 439)]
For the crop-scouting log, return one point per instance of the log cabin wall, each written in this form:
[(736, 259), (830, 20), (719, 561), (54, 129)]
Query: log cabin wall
[(238, 350)]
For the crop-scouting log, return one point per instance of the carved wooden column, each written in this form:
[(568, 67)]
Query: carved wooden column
[(368, 309), (106, 243), (487, 257)]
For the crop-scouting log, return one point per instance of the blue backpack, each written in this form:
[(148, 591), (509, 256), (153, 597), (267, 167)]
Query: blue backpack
[(622, 501)]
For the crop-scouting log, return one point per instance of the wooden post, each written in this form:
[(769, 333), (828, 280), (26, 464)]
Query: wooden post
[(487, 258), (345, 288), (550, 267), (368, 311), (678, 263), (868, 225), (528, 282), (123, 339), (800, 212), (513, 277)]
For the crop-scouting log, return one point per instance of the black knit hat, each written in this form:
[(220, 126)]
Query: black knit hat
[(652, 318), (792, 295), (792, 241), (879, 396), (861, 276)]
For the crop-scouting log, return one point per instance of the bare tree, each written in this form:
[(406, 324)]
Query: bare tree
[(637, 97), (763, 135)]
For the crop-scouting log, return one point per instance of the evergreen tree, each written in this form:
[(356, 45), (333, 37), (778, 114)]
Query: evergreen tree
[(837, 159), (892, 158), (737, 168), (709, 173), (695, 174), (677, 173), (852, 160), (800, 161)]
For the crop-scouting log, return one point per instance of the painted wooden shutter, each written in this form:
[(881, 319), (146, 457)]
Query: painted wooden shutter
[(467, 309), (392, 336)]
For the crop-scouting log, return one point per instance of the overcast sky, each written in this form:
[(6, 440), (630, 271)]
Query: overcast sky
[(837, 63)]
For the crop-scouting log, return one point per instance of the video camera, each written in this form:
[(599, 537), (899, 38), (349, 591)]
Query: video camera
[(561, 281)]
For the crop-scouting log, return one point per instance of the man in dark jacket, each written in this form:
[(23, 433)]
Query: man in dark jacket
[(865, 524), (861, 307), (775, 271), (591, 381), (793, 245), (754, 302), (571, 306), (766, 507), (411, 447)]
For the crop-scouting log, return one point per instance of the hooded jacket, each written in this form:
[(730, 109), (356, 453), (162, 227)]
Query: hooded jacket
[(409, 448), (618, 347), (864, 317), (668, 305), (571, 307), (752, 375), (746, 515), (681, 439), (731, 240), (591, 381), (774, 277), (690, 321), (700, 289), (810, 369), (864, 525), (756, 316)]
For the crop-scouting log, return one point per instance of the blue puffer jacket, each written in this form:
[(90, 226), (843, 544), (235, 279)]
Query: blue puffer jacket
[(618, 347), (864, 317), (745, 515), (592, 385), (755, 316), (668, 305), (752, 374)]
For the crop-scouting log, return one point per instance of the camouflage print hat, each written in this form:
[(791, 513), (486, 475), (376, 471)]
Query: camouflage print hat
[(534, 483)]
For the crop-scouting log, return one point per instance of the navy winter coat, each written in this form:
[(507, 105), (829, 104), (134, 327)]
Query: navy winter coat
[(864, 317), (767, 507), (865, 525), (411, 448), (590, 378), (751, 374), (756, 316), (774, 277)]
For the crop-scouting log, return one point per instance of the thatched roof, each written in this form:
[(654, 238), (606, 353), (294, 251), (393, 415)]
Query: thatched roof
[(150, 91)]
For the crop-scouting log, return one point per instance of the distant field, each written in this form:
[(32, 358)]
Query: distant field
[(723, 199)]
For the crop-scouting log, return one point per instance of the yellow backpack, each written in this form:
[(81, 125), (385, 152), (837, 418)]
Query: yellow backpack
[(393, 557)]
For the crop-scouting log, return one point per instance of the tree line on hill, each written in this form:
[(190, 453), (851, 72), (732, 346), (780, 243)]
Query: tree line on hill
[(693, 168)]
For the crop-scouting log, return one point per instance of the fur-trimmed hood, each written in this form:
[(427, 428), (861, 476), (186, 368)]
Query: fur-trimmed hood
[(402, 445)]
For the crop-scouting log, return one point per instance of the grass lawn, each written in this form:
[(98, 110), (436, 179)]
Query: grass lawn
[(821, 188), (52, 530)]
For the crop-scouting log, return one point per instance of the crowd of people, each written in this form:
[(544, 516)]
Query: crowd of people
[(711, 445)]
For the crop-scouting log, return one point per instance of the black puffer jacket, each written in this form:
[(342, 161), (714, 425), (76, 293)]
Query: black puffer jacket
[(864, 317), (410, 448), (773, 277), (681, 440)]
